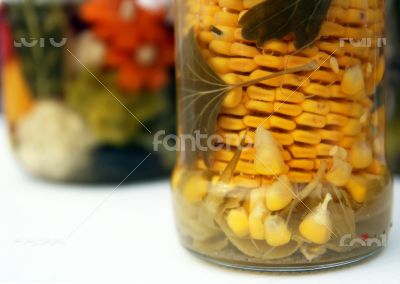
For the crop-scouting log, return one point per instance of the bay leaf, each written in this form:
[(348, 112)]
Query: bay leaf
[(201, 95), (274, 19)]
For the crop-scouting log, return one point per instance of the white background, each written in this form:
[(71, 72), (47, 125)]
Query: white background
[(63, 233)]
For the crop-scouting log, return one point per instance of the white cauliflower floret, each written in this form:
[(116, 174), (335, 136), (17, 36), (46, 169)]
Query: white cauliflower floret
[(89, 50), (53, 141)]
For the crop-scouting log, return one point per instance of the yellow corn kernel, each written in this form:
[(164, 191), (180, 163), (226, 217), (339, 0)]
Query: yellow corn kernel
[(300, 176), (317, 89), (360, 156), (282, 138), (269, 61), (289, 96), (317, 225), (352, 127), (302, 151), (316, 106), (206, 21), (353, 81), (324, 149), (230, 123), (219, 64), (308, 137), (347, 142), (261, 94), (208, 9), (242, 64), (292, 61), (234, 96), (238, 221), (279, 194), (220, 46), (268, 160), (276, 46), (256, 121), (340, 172), (276, 231), (195, 187), (288, 79), (205, 36), (257, 197), (287, 109), (281, 123), (310, 119), (247, 181), (357, 188), (303, 164), (241, 49), (259, 106), (239, 110), (340, 107), (227, 33), (376, 168), (226, 18), (231, 4), (330, 135), (247, 4), (256, 222)]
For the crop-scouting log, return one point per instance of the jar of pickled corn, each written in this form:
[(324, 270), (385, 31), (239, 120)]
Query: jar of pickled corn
[(283, 105), (86, 84)]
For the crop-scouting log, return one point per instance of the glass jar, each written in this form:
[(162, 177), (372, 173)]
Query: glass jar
[(86, 84), (281, 119)]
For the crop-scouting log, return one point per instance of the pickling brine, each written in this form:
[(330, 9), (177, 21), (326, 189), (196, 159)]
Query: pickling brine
[(284, 103)]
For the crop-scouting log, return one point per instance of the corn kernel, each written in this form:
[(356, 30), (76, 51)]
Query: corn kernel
[(231, 4), (353, 81), (316, 106), (352, 127), (231, 123), (195, 188), (310, 119), (242, 64), (340, 172), (289, 96), (260, 106), (241, 49), (261, 94), (360, 155), (256, 222), (221, 47), (276, 231), (257, 197), (287, 109), (317, 226), (357, 188), (219, 64), (269, 160), (238, 222), (279, 194), (309, 137)]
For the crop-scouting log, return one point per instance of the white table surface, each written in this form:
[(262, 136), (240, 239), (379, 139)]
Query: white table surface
[(63, 233)]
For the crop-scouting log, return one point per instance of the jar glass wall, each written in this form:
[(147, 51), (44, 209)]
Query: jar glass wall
[(281, 120), (86, 84)]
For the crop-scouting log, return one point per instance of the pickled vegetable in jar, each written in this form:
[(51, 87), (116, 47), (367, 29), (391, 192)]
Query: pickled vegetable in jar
[(285, 166), (85, 86)]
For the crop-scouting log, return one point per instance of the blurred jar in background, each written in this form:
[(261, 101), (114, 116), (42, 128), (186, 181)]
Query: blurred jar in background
[(86, 85)]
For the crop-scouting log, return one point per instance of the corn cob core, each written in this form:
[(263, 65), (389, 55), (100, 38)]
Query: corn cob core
[(307, 113)]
